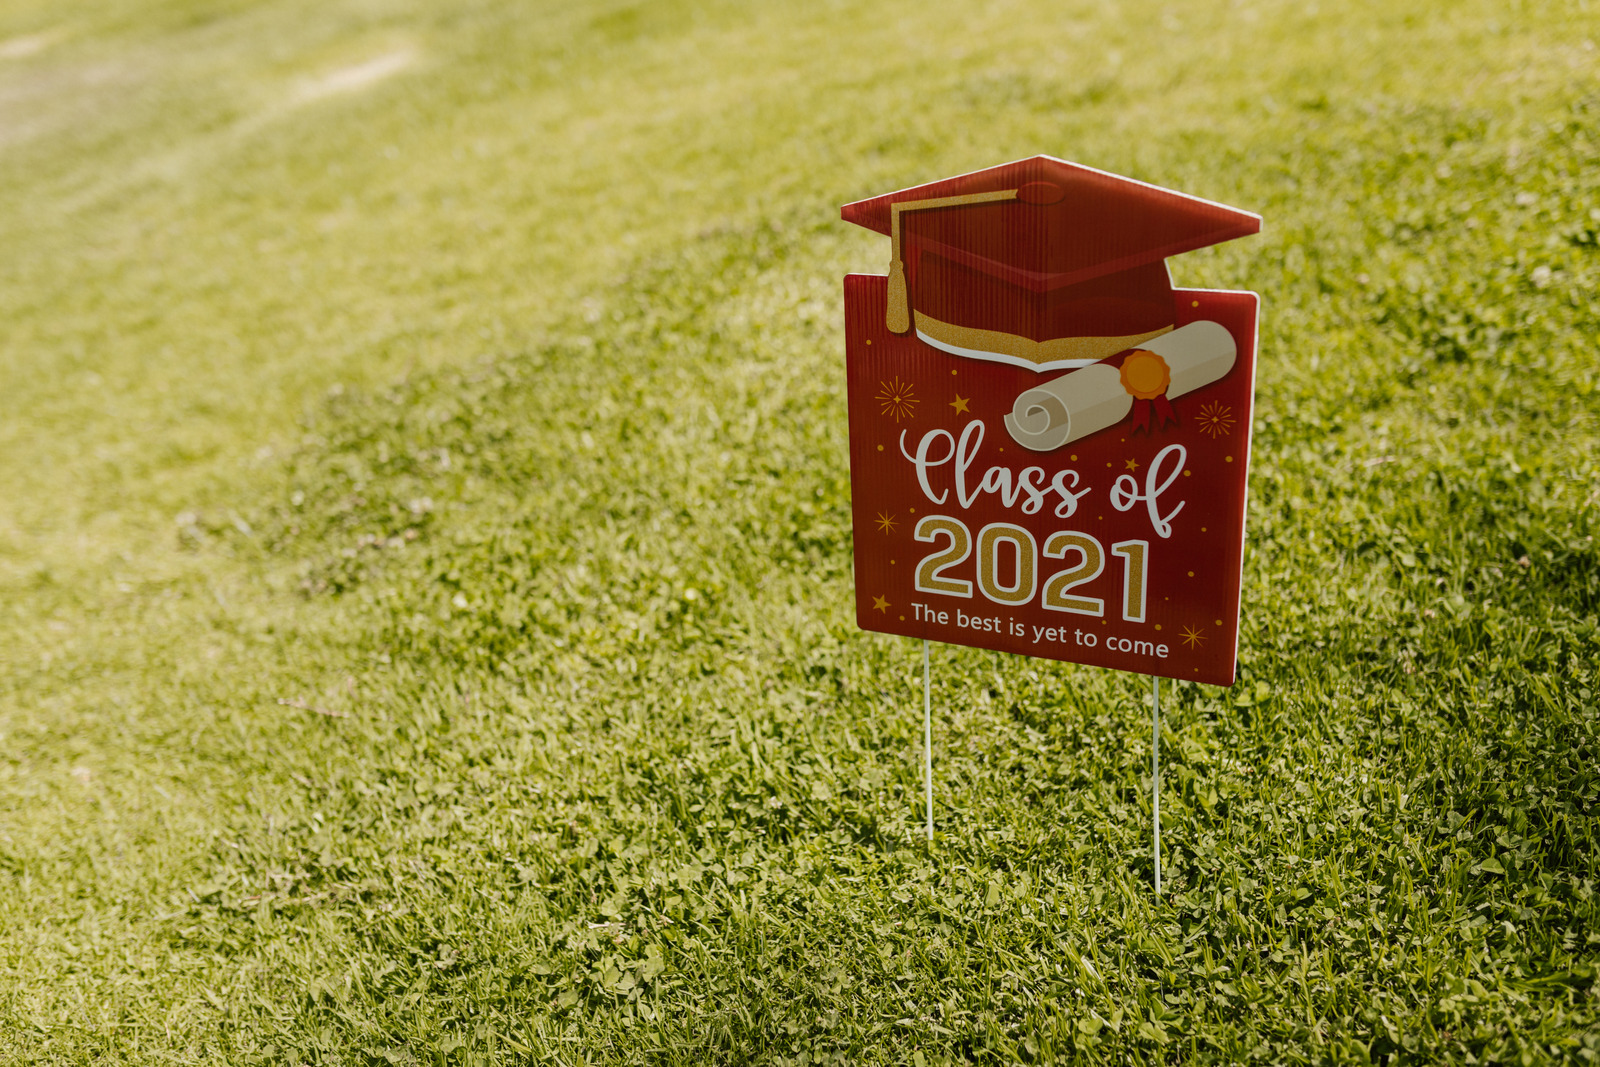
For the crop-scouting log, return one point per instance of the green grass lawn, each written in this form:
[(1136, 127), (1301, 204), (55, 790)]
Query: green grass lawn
[(425, 591)]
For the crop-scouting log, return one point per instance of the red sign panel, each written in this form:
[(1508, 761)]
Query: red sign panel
[(1049, 444)]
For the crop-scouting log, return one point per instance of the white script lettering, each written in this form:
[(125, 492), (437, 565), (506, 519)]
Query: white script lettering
[(1030, 487)]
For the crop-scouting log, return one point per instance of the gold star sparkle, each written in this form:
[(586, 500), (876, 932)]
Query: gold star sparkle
[(1216, 420), (880, 604), (896, 399), (1132, 464), (886, 522), (960, 403), (1193, 636)]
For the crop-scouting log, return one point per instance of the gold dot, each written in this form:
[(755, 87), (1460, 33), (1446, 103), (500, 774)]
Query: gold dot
[(1074, 457), (1191, 574), (1185, 473), (891, 563), (1105, 622), (869, 342), (1002, 450), (1108, 464), (1194, 303), (1202, 529), (880, 448), (902, 618), (952, 372), (1227, 459), (1219, 622), (1158, 626), (913, 511), (1099, 518)]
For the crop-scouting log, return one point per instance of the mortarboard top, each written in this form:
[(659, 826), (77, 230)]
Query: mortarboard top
[(1039, 263)]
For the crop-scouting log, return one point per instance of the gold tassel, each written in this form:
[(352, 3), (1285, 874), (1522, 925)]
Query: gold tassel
[(897, 315)]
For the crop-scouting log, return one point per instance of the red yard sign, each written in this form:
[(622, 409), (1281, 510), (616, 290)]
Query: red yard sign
[(1049, 444)]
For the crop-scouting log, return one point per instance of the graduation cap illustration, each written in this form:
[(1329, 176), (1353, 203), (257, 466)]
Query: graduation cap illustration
[(1039, 263)]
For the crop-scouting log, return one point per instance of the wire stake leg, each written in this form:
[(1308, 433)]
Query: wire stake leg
[(1155, 768), (927, 737)]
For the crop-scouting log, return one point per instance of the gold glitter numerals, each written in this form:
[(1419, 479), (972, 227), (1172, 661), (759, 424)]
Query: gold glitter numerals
[(1135, 569), (1025, 575), (1093, 563), (929, 576), (1012, 576)]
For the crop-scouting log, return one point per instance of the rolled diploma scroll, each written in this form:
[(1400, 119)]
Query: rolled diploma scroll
[(1091, 398)]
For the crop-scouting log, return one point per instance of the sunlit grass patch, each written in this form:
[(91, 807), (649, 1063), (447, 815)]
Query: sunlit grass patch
[(426, 562)]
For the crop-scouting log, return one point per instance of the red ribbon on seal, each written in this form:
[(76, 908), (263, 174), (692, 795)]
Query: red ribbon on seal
[(1145, 377)]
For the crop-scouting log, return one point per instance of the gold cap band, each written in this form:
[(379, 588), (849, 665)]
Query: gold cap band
[(1025, 351)]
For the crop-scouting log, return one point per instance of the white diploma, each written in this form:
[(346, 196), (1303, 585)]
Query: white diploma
[(1092, 398)]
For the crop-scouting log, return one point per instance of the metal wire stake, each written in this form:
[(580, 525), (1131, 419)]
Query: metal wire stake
[(927, 736), (1155, 767)]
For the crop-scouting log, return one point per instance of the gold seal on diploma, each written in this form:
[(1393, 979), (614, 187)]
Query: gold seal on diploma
[(1145, 375)]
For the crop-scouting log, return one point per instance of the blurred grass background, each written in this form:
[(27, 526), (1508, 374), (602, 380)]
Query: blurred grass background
[(470, 379)]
